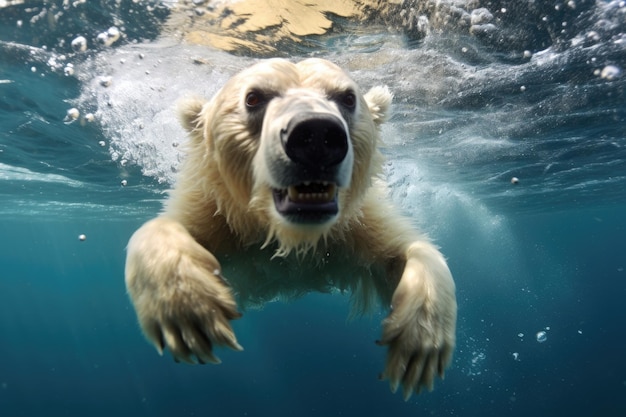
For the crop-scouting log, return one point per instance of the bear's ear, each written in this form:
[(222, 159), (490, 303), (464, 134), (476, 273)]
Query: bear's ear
[(189, 110), (378, 101)]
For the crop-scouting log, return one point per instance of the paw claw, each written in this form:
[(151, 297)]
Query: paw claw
[(236, 315), (236, 346), (406, 394), (209, 358), (393, 385)]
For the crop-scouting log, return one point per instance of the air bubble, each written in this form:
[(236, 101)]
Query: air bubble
[(542, 336), (593, 36), (106, 81), (102, 38), (71, 115), (114, 34), (610, 72), (79, 44), (480, 16)]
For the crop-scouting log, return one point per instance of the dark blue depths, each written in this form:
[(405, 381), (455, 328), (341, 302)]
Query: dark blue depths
[(71, 346)]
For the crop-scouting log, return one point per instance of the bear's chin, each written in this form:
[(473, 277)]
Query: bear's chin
[(310, 203)]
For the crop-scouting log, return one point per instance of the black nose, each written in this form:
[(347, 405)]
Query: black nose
[(315, 139)]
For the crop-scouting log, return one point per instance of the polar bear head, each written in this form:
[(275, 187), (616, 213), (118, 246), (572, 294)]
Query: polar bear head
[(285, 151)]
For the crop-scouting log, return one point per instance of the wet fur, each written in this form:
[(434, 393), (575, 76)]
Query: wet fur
[(221, 208)]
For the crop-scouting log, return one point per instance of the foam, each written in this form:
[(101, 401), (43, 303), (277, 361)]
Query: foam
[(136, 104)]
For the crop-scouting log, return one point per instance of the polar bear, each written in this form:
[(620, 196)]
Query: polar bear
[(282, 182)]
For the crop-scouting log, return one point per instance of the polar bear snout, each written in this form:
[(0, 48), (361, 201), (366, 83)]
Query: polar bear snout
[(312, 146), (315, 140), (315, 161)]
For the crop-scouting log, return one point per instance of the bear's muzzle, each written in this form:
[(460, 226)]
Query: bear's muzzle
[(320, 160), (316, 140)]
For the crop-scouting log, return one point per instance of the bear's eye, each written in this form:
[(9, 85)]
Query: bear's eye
[(348, 99), (254, 99)]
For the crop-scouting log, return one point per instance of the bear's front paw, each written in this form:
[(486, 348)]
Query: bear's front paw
[(420, 330), (191, 318), (182, 302)]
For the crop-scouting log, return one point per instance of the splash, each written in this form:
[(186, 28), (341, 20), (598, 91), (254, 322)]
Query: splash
[(135, 90)]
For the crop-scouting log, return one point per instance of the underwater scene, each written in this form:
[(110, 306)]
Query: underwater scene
[(506, 145)]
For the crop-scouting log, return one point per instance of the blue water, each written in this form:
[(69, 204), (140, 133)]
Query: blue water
[(472, 111)]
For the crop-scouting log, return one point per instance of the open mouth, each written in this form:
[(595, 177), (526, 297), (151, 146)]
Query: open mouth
[(309, 202)]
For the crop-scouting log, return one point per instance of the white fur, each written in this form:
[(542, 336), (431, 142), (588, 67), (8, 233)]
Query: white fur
[(222, 207)]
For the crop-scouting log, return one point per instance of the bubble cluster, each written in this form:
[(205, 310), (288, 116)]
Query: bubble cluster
[(106, 38), (109, 37), (68, 70), (476, 363)]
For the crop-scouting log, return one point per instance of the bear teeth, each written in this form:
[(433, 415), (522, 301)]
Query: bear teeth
[(312, 192)]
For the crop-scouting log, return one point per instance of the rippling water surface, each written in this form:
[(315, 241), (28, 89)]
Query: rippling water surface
[(485, 91)]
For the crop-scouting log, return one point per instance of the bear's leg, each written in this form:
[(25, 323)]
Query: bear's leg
[(181, 300), (420, 330)]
